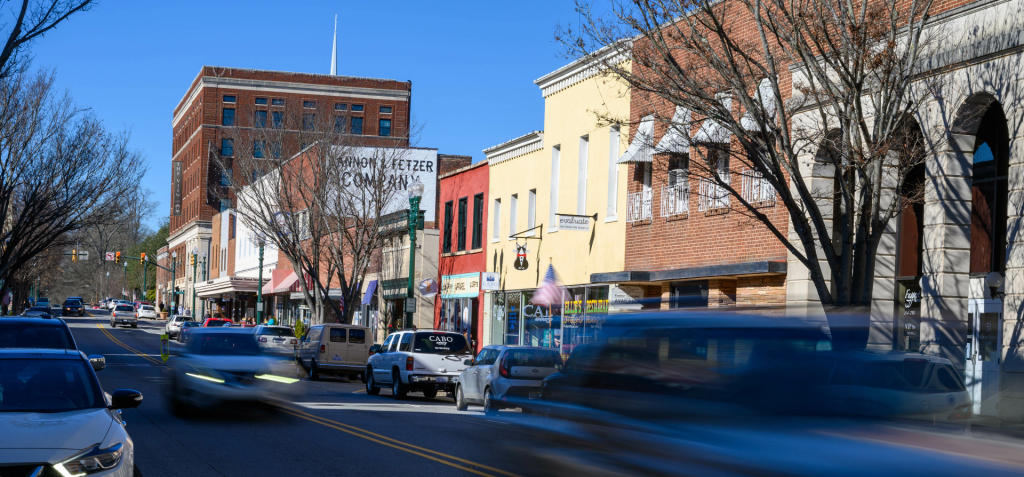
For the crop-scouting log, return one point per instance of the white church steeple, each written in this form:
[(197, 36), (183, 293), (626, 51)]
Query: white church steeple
[(334, 51)]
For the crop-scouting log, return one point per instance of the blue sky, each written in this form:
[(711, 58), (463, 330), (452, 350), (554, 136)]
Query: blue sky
[(472, 64)]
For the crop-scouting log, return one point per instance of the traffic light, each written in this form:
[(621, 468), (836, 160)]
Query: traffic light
[(74, 255), (142, 258), (192, 260), (117, 258)]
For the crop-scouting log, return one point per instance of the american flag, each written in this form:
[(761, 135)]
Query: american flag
[(550, 291)]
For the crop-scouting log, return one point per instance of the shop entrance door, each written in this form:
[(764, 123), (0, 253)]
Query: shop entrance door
[(985, 334)]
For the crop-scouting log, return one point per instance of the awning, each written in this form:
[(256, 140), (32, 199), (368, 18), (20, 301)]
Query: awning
[(275, 278), (712, 131), (227, 285), (764, 90), (286, 283), (677, 138), (640, 149), (368, 294)]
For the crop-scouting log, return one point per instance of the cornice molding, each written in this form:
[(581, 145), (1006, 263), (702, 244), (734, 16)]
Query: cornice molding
[(525, 144), (580, 70)]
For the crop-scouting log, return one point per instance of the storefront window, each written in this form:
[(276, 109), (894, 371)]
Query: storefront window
[(583, 316), (513, 316), (538, 329)]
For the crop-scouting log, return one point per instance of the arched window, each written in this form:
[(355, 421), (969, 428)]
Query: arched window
[(989, 194)]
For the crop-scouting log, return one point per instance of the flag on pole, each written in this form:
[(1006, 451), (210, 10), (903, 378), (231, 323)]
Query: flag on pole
[(550, 291), (133, 296)]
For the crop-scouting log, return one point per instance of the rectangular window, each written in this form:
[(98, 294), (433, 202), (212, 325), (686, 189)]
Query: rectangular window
[(261, 101), (613, 173), (278, 119), (513, 210), (339, 124), (463, 203), (309, 104), (581, 180), (257, 148), (277, 102), (356, 126), (275, 150), (448, 220), (231, 227), (385, 127), (356, 336), (261, 119), (496, 224), (229, 98), (228, 117), (556, 155), (337, 335), (340, 106), (478, 221), (357, 107), (227, 147), (385, 109), (308, 121), (531, 211), (225, 178)]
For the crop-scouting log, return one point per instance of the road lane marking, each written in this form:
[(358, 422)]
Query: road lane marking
[(400, 445), (129, 348), (339, 406)]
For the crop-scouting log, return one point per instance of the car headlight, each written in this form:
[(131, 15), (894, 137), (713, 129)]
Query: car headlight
[(207, 375), (91, 461)]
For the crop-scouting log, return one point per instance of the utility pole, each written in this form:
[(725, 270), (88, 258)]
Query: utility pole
[(195, 262)]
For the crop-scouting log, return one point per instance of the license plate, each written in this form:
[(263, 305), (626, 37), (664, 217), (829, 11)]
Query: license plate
[(534, 394), (442, 380)]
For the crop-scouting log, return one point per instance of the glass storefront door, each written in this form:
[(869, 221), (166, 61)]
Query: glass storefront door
[(984, 333), (513, 317)]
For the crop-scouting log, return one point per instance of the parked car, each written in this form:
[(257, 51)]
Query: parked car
[(418, 361), (502, 372), (174, 323), (114, 303), (73, 307), (278, 340), (35, 332), (125, 315), (216, 322), (58, 393), (148, 311), (39, 311), (185, 327), (334, 349)]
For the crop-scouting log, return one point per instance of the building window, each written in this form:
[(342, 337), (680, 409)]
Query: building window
[(228, 98), (261, 101), (278, 119), (463, 203), (613, 173), (275, 150), (357, 126), (261, 119), (225, 204), (385, 127), (227, 147), (357, 107), (231, 227), (513, 211), (556, 155), (478, 220), (448, 219), (257, 148), (385, 109), (496, 225), (340, 106), (581, 178), (309, 104), (225, 178), (308, 121), (277, 102), (228, 117), (531, 211), (339, 124)]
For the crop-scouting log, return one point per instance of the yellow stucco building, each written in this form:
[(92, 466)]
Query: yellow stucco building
[(557, 197)]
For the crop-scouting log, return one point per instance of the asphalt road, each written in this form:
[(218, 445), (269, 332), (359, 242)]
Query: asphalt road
[(333, 428)]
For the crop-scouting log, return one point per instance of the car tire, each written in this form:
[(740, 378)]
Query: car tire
[(135, 325), (489, 408), (371, 386), (314, 371), (362, 377), (430, 393), (112, 325), (398, 389), (135, 471), (460, 400)]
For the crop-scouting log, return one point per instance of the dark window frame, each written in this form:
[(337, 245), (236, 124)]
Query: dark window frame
[(227, 119), (478, 221), (382, 130), (354, 128), (449, 209), (227, 147), (461, 240)]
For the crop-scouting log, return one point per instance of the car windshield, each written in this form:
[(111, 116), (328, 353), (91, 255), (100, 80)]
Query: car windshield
[(34, 335), (277, 331), (123, 308), (538, 358), (72, 303), (41, 385), (441, 343), (225, 344), (148, 308)]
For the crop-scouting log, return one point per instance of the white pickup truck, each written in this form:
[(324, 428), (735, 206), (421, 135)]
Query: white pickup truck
[(418, 361)]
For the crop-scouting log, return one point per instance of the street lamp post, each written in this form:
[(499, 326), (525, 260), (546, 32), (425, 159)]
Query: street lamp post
[(204, 279), (259, 289), (415, 193), (195, 262), (174, 269), (124, 289)]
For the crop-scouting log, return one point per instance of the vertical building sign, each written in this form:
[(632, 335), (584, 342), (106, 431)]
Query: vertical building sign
[(176, 177)]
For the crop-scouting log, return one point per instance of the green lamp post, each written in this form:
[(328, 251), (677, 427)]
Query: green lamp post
[(415, 194)]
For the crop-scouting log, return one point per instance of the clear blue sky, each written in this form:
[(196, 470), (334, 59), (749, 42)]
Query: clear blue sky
[(472, 64)]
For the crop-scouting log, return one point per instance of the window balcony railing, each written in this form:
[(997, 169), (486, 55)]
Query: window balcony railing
[(756, 189), (675, 199), (638, 206), (711, 196)]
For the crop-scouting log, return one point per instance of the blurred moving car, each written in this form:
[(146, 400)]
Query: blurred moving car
[(38, 311), (73, 306), (185, 327), (334, 349), (215, 322), (43, 302), (502, 372), (278, 340), (222, 365), (418, 361), (173, 325), (125, 315), (56, 420), (148, 311), (35, 332)]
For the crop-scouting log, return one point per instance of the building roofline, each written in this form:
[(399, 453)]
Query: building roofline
[(464, 169), (580, 70)]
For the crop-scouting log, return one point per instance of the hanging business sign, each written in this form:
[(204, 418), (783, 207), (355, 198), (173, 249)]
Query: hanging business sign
[(490, 281), (466, 285), (521, 263), (176, 178), (574, 222)]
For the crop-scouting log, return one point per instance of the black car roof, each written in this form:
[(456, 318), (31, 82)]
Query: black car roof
[(39, 353)]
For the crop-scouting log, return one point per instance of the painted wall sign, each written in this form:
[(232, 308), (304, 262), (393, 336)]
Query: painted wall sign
[(579, 224), (402, 167), (466, 285), (490, 281), (521, 263), (176, 178)]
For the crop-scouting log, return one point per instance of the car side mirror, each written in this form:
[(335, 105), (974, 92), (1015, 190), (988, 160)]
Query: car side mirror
[(98, 362), (125, 399), (468, 362)]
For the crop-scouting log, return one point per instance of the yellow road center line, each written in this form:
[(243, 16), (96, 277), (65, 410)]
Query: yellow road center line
[(330, 423), (129, 348)]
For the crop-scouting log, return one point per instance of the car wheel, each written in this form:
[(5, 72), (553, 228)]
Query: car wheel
[(112, 325), (314, 371), (135, 325), (398, 390), (430, 393), (362, 377), (489, 408), (371, 386), (460, 400)]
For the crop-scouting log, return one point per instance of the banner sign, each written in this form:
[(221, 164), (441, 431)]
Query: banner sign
[(176, 171), (466, 285), (571, 222)]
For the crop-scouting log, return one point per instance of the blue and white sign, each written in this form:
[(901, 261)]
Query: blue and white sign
[(466, 285), (490, 281)]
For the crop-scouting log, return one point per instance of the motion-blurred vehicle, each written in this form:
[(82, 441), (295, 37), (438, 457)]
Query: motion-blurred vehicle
[(418, 361), (125, 315), (173, 325), (185, 327), (38, 311), (501, 373), (222, 365), (215, 322), (43, 302), (277, 340), (334, 349), (35, 332), (73, 307), (56, 420), (148, 311)]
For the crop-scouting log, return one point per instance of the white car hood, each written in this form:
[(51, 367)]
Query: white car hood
[(73, 430)]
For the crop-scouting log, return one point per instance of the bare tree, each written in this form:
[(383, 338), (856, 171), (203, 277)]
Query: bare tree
[(29, 20), (780, 91)]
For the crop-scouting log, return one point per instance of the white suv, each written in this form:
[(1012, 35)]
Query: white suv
[(418, 361)]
